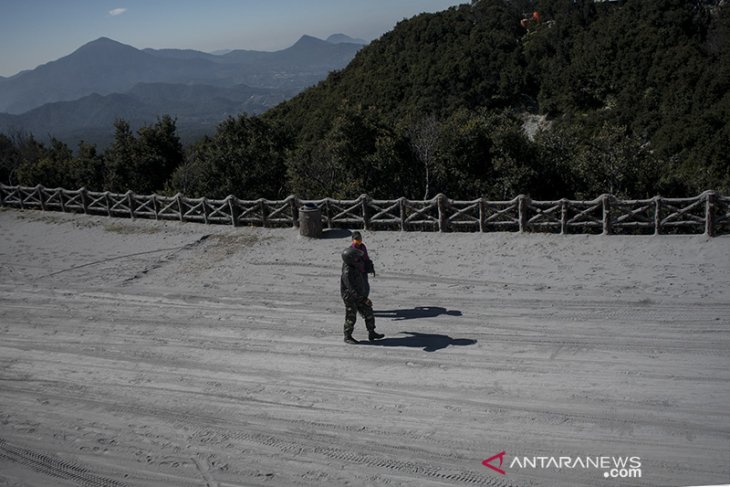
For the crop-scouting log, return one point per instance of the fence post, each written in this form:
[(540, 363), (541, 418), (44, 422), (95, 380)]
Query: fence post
[(233, 209), (710, 197), (607, 226), (178, 198), (441, 203), (563, 216), (84, 201), (41, 196), (523, 204), (61, 194), (294, 205), (402, 207), (328, 212), (482, 214), (108, 203), (204, 203), (130, 202), (264, 216), (657, 215), (364, 200), (2, 194)]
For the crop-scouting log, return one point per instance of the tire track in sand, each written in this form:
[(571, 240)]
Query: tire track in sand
[(55, 467)]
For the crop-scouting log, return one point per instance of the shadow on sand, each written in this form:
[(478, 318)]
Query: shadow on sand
[(415, 313), (335, 233), (427, 341)]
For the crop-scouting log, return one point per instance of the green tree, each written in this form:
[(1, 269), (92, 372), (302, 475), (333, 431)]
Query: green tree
[(592, 160), (358, 154), (18, 150), (56, 166), (87, 168), (9, 159), (485, 154), (159, 152), (120, 160), (612, 161), (144, 163), (244, 158), (50, 169)]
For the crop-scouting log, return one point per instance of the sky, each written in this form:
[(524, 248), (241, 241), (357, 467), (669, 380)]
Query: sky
[(34, 32)]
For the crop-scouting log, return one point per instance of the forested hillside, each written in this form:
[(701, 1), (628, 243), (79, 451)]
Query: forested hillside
[(635, 96), (552, 98)]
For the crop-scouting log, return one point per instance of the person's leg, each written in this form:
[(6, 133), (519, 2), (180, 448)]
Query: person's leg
[(367, 314), (350, 319)]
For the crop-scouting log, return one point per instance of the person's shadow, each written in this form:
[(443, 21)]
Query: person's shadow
[(415, 313), (428, 342)]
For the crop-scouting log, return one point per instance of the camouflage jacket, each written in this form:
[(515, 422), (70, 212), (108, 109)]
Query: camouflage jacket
[(353, 287)]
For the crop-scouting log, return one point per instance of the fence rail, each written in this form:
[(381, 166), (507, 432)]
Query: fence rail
[(708, 213)]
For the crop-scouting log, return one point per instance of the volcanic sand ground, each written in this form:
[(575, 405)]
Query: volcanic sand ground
[(147, 353)]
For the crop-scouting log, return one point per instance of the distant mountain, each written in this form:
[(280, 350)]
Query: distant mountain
[(182, 54), (345, 39), (307, 53), (198, 109), (105, 66)]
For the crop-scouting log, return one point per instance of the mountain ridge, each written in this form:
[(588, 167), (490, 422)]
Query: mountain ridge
[(197, 109), (106, 66), (343, 38), (81, 94)]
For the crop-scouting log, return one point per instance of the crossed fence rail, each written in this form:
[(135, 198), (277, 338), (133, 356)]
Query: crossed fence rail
[(708, 213)]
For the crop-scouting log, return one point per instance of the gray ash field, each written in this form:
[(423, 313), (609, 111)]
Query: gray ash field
[(141, 353)]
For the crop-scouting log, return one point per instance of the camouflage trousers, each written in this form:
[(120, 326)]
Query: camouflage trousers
[(351, 311)]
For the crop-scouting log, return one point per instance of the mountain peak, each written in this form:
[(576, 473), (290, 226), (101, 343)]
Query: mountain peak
[(344, 39), (103, 44), (103, 41), (307, 40)]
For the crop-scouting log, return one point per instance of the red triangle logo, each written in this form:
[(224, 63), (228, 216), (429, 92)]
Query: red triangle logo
[(488, 463)]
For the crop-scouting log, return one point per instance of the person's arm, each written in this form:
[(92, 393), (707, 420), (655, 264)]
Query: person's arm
[(369, 265), (352, 292)]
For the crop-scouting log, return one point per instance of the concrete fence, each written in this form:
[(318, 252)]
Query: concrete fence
[(708, 213)]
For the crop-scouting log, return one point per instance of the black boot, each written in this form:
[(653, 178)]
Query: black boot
[(374, 335), (350, 340)]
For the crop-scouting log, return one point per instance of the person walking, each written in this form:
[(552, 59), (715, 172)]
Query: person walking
[(357, 243), (367, 267), (355, 294)]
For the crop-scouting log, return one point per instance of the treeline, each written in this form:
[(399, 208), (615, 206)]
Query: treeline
[(630, 98), (143, 161), (245, 157)]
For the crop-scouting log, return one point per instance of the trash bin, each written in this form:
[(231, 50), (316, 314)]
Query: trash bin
[(310, 221)]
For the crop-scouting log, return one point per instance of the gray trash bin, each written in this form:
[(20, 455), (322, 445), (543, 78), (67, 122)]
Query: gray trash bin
[(310, 221)]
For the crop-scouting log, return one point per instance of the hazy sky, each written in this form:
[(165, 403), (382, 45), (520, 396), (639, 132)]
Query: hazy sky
[(33, 32)]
